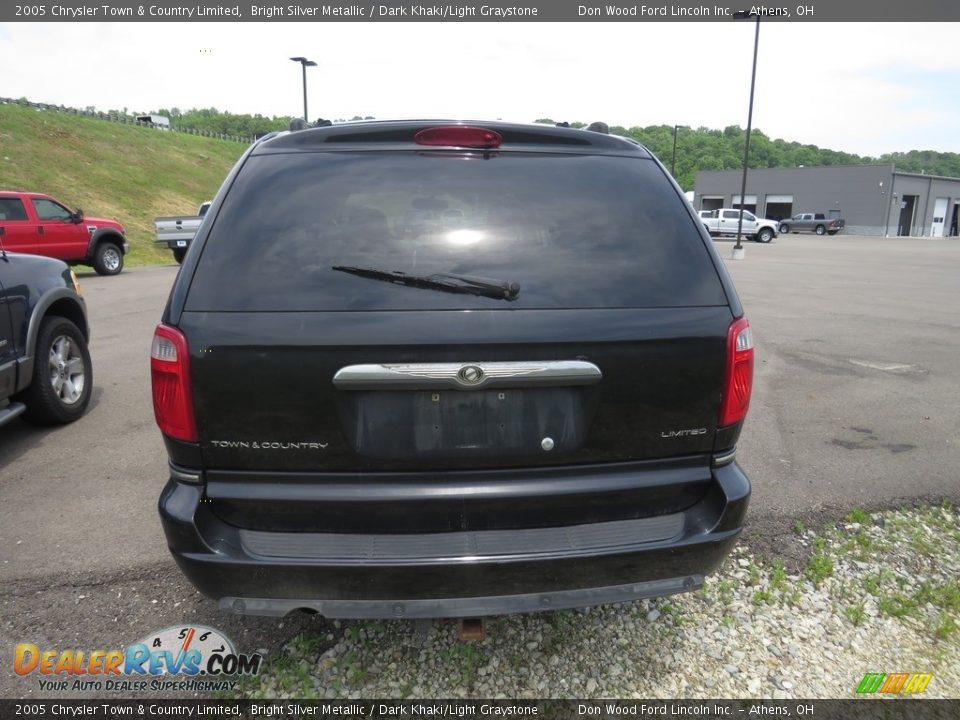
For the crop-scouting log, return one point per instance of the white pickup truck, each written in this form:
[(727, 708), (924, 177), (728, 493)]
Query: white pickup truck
[(177, 232), (725, 221)]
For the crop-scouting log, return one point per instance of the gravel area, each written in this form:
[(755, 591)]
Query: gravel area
[(876, 592)]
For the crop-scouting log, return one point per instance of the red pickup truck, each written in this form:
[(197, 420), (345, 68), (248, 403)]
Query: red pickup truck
[(36, 223)]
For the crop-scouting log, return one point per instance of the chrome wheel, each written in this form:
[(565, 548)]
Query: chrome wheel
[(67, 371), (111, 259)]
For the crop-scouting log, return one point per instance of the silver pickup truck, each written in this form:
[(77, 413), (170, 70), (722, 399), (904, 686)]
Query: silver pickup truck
[(812, 222), (177, 232), (725, 221)]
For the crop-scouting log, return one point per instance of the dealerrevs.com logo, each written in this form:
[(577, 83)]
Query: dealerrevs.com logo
[(191, 654)]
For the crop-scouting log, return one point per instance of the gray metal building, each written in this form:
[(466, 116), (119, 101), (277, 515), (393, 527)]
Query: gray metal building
[(872, 199)]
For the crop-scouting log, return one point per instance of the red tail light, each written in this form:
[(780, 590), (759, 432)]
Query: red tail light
[(459, 136), (738, 378), (170, 373)]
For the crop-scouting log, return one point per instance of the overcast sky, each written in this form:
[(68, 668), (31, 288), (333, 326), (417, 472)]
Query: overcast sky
[(866, 88)]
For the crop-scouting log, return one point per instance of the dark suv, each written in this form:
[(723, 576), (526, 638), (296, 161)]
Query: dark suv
[(427, 369), (45, 371)]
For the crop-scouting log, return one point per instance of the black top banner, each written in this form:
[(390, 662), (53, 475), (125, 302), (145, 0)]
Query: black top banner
[(488, 11), (433, 709), (384, 709)]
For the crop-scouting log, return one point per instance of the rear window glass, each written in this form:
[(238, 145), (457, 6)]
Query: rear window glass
[(12, 209), (573, 231)]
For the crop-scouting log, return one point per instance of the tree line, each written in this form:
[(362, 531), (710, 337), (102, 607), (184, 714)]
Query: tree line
[(243, 125), (213, 120), (697, 148), (708, 149), (776, 153)]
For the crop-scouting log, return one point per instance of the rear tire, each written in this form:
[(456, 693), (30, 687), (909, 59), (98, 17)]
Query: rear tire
[(764, 236), (784, 229), (179, 254), (62, 379), (820, 230), (107, 259)]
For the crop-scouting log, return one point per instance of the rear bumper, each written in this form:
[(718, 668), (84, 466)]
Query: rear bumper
[(452, 574)]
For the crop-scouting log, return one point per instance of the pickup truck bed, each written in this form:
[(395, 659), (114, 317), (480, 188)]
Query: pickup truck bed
[(177, 232)]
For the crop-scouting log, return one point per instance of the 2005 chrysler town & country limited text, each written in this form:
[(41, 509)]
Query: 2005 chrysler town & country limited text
[(435, 369)]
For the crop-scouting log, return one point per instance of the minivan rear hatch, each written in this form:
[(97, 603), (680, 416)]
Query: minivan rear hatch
[(361, 310)]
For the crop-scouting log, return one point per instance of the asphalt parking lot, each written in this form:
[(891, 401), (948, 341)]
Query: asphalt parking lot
[(856, 404), (857, 392)]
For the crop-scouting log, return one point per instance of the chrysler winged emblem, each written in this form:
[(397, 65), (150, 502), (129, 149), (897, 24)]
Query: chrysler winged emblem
[(470, 375)]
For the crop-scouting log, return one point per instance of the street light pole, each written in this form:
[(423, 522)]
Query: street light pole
[(304, 64), (741, 15)]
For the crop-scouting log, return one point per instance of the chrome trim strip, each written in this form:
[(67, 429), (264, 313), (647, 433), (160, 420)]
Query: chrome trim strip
[(467, 375), (725, 459), (183, 475)]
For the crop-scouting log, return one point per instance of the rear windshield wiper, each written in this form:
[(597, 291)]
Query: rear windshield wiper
[(464, 284)]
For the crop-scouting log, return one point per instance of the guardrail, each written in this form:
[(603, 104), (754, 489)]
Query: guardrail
[(122, 118)]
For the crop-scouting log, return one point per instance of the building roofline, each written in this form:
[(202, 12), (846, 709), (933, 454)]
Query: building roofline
[(892, 166), (925, 175)]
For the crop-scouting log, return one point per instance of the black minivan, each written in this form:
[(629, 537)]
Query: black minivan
[(442, 369)]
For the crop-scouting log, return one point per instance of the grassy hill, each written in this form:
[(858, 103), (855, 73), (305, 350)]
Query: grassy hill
[(129, 173)]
